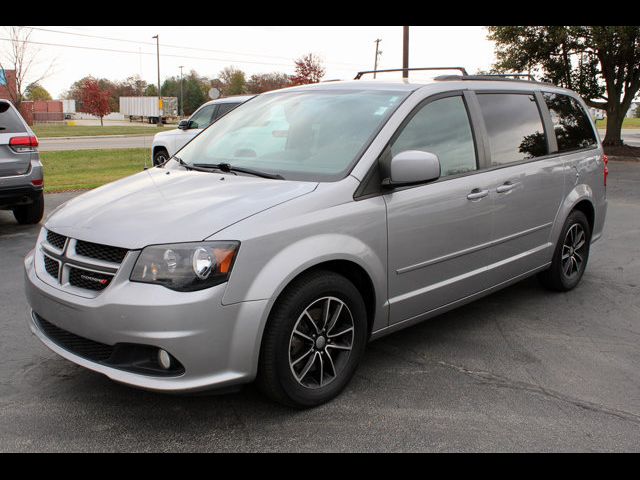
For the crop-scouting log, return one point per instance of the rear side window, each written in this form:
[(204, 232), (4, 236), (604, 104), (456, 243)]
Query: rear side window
[(514, 127), (224, 108), (570, 122), (441, 127), (9, 120)]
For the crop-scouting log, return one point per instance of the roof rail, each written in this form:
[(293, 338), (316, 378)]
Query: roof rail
[(493, 77), (505, 75), (359, 75)]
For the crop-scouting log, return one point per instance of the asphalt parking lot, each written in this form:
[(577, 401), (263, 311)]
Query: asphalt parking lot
[(522, 369)]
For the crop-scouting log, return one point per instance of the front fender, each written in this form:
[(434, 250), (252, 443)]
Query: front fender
[(295, 258), (161, 143), (269, 282)]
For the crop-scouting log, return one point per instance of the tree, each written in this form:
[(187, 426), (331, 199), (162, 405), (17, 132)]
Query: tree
[(309, 69), (265, 82), (95, 100), (194, 90), (133, 86), (151, 90), (601, 63), (35, 91), (22, 58), (233, 81), (113, 89)]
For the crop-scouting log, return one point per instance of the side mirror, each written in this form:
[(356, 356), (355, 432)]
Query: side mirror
[(184, 124), (413, 166)]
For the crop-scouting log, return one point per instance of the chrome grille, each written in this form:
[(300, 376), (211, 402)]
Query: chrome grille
[(52, 266), (89, 280), (56, 239), (101, 252), (79, 265)]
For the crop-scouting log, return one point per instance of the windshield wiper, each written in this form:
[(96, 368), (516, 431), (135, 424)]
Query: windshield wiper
[(188, 166), (228, 168)]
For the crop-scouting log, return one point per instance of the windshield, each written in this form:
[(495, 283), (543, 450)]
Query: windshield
[(300, 135)]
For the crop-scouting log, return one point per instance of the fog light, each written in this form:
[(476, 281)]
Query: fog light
[(164, 359)]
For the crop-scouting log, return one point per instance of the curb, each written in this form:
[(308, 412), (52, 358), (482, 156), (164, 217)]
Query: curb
[(80, 137)]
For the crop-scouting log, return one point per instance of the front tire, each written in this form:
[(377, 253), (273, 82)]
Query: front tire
[(313, 341), (32, 213), (570, 256), (160, 157)]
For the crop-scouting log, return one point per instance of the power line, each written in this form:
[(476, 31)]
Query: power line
[(113, 50), (177, 46)]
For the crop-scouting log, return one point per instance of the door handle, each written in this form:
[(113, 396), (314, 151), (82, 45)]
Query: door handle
[(477, 194), (506, 187)]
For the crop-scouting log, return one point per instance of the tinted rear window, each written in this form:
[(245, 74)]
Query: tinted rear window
[(9, 120), (514, 127), (224, 108), (570, 122)]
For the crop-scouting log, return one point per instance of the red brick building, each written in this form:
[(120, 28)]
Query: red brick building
[(37, 111), (8, 84)]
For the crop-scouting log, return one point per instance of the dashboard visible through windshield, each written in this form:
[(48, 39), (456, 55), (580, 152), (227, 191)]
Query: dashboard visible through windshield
[(300, 135)]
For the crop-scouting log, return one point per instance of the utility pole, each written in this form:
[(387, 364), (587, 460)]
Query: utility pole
[(159, 93), (375, 63), (181, 98), (405, 52)]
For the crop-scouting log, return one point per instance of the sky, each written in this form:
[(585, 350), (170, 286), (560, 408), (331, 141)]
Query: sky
[(344, 50)]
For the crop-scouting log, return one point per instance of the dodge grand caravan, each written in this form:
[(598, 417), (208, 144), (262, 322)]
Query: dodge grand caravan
[(310, 220)]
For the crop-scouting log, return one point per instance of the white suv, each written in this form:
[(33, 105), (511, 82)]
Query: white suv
[(166, 144)]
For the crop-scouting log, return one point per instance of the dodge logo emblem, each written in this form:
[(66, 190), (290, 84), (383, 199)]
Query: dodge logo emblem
[(101, 281)]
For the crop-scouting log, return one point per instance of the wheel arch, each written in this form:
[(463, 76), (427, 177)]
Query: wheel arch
[(158, 146), (353, 272), (580, 198)]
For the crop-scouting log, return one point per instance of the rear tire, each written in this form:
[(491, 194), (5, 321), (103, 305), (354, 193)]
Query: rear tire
[(32, 213), (314, 364), (570, 256), (160, 157)]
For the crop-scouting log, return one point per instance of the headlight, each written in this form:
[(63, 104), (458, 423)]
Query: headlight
[(186, 267)]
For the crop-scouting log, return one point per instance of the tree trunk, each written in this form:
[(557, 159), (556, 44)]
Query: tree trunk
[(101, 122), (613, 137)]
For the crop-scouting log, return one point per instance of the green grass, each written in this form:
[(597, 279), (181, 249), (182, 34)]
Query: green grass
[(56, 130), (86, 169), (626, 123)]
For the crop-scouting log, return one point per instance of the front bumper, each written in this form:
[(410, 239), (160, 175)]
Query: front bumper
[(218, 345)]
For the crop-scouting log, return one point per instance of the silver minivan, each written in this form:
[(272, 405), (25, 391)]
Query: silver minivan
[(311, 220)]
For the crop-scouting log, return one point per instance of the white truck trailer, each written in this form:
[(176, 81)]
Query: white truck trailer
[(148, 108)]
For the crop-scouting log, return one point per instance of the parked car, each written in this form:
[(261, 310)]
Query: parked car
[(166, 144), (311, 220), (21, 176)]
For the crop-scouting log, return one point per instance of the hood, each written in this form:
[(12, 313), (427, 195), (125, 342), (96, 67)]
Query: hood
[(169, 206), (169, 133)]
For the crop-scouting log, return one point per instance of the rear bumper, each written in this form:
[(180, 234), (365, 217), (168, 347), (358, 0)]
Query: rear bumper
[(19, 189), (19, 196)]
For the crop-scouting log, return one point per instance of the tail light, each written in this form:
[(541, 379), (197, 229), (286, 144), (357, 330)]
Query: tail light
[(24, 144), (606, 168)]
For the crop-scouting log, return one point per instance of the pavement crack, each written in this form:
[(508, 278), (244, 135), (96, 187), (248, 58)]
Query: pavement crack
[(500, 381)]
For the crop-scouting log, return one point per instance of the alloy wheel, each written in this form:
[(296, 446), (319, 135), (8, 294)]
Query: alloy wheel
[(321, 342), (574, 250)]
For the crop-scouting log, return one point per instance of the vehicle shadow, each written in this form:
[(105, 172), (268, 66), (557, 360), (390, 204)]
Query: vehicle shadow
[(122, 408)]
